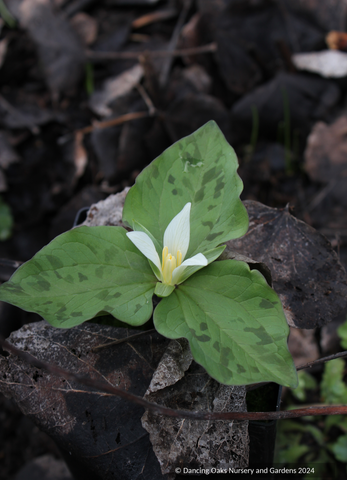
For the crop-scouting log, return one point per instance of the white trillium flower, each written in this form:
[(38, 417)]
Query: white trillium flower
[(175, 247)]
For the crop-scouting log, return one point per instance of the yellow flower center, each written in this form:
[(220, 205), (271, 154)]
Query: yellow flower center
[(169, 263)]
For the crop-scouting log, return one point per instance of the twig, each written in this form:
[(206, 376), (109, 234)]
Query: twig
[(114, 121), (160, 410), (123, 340), (107, 123), (173, 42), (99, 56), (146, 99), (321, 195), (322, 360), (154, 17), (10, 263)]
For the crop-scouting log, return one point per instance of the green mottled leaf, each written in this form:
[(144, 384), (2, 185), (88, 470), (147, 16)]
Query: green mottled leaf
[(200, 169), (81, 273), (234, 323)]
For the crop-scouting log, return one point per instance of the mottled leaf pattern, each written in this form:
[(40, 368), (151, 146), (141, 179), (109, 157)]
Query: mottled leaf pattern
[(233, 320), (200, 169), (234, 323), (81, 273)]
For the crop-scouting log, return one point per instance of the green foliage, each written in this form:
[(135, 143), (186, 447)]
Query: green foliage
[(82, 273), (333, 388), (306, 382), (318, 441), (232, 319), (289, 447), (339, 448), (189, 197), (6, 221), (303, 444), (200, 169)]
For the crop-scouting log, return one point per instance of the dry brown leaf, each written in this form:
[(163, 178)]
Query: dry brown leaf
[(179, 382), (326, 157), (85, 26), (306, 272), (114, 88), (101, 432)]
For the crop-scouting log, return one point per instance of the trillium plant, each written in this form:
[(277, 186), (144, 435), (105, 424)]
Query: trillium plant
[(182, 209)]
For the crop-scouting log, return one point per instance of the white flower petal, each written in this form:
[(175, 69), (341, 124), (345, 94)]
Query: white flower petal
[(144, 243), (198, 259), (177, 233)]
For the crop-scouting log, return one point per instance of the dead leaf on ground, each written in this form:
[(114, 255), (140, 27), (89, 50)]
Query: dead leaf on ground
[(303, 346), (26, 115), (113, 88), (306, 272), (60, 51), (246, 55), (85, 26), (198, 77), (326, 156), (102, 432), (179, 382), (108, 211), (331, 14)]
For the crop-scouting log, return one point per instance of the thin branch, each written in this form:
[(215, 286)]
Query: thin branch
[(152, 17), (146, 98), (99, 56), (322, 360), (10, 263), (122, 340), (173, 42), (114, 121), (160, 410), (321, 195)]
